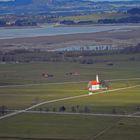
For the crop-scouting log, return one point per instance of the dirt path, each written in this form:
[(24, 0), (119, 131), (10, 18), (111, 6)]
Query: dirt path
[(60, 83), (63, 99), (86, 114)]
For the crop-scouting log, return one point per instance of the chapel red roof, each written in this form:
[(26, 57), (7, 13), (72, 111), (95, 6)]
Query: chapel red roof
[(94, 82)]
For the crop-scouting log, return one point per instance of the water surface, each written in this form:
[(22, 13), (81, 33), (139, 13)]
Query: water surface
[(52, 31)]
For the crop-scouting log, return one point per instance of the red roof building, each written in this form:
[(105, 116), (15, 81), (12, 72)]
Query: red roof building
[(94, 84)]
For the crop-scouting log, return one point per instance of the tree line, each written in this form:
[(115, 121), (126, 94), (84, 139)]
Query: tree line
[(130, 19), (19, 22), (82, 56), (83, 109)]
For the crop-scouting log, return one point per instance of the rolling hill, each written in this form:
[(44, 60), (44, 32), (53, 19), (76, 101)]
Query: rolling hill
[(64, 7)]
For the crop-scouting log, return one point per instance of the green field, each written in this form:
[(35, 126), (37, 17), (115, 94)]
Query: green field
[(70, 127), (125, 101), (59, 127), (30, 73), (94, 17)]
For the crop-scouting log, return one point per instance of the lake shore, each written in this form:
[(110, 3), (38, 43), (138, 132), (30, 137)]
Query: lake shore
[(49, 30), (123, 37)]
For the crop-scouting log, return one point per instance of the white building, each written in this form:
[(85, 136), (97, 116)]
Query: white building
[(94, 85)]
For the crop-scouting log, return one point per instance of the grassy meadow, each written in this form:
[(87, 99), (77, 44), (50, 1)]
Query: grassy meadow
[(31, 73), (124, 101), (94, 17), (52, 126), (70, 127)]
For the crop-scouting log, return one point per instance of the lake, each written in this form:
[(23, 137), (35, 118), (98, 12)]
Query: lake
[(49, 30)]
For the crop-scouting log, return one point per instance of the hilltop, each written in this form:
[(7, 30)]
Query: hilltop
[(64, 7)]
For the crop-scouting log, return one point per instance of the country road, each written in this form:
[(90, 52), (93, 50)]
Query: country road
[(60, 83), (63, 99), (86, 114)]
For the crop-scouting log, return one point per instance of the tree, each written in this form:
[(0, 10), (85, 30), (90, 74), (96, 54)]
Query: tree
[(3, 59), (73, 109), (114, 111), (105, 84), (40, 109), (54, 109), (62, 109), (3, 110), (138, 108), (47, 109)]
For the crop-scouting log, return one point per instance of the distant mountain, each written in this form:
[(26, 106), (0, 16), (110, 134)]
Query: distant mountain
[(40, 2), (42, 6), (64, 7), (51, 2), (16, 2)]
